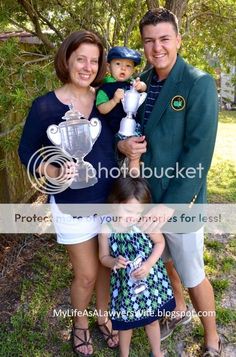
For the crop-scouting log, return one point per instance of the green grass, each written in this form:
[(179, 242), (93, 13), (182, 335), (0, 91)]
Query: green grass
[(228, 265), (220, 286), (225, 316), (30, 328), (215, 245), (32, 331), (222, 175), (228, 117)]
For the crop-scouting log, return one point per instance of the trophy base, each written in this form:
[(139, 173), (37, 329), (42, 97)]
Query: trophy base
[(139, 288), (127, 126), (86, 177)]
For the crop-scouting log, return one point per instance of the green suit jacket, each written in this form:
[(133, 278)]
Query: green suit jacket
[(180, 134)]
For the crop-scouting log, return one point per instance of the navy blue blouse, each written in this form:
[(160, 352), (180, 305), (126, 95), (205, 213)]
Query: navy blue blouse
[(47, 110)]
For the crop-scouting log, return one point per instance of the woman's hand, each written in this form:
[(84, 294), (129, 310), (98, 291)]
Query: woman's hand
[(142, 272), (61, 174), (67, 171), (119, 263)]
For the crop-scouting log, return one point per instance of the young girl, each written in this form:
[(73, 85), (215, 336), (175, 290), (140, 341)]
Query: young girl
[(139, 297)]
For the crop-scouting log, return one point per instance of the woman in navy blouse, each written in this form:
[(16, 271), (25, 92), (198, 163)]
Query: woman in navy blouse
[(80, 66)]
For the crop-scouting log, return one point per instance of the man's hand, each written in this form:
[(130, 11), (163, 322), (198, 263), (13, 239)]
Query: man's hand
[(154, 219), (133, 147)]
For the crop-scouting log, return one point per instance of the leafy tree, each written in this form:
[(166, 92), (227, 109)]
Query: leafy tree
[(207, 26), (208, 29), (209, 33)]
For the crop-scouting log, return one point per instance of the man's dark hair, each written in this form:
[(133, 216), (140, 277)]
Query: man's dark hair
[(156, 16), (125, 188)]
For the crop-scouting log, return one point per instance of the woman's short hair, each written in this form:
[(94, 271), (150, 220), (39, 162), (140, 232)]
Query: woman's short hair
[(127, 187), (69, 45)]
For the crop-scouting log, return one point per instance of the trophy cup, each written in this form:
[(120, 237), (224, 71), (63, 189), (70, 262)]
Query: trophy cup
[(76, 137), (131, 102), (139, 285)]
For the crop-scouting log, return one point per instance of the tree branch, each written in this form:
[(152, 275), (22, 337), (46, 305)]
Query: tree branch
[(7, 132), (132, 22), (203, 14), (50, 25), (27, 53), (37, 60), (21, 26), (209, 13), (72, 14), (30, 11)]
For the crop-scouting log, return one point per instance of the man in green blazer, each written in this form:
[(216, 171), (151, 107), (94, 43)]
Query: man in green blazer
[(179, 120)]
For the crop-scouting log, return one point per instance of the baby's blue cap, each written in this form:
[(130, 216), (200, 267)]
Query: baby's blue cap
[(122, 52)]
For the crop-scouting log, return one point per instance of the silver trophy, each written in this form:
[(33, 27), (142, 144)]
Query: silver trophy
[(76, 137), (138, 285), (131, 102)]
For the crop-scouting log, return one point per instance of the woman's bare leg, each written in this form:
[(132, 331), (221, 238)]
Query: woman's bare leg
[(102, 300), (84, 260)]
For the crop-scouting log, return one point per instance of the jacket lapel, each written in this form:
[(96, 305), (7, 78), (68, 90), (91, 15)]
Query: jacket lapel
[(168, 91)]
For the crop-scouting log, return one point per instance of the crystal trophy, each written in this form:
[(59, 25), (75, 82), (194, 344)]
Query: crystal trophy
[(75, 137), (131, 102), (139, 285)]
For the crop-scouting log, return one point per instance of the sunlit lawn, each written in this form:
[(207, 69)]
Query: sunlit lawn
[(32, 331), (222, 176)]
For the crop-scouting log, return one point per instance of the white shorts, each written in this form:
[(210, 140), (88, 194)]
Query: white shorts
[(72, 230), (186, 251)]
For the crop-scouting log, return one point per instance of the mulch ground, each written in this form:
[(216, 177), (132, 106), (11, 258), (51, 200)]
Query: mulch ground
[(16, 257)]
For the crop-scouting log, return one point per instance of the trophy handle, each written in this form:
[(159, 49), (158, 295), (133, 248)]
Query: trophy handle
[(142, 98), (95, 128), (54, 135)]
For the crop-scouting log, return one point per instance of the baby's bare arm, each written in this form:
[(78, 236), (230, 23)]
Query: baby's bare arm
[(105, 108)]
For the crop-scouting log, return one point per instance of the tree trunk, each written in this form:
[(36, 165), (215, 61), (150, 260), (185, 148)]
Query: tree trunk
[(178, 7), (4, 189), (152, 4)]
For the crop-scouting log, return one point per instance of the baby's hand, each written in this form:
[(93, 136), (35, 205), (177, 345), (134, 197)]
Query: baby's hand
[(142, 272), (120, 262), (139, 86), (118, 95)]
